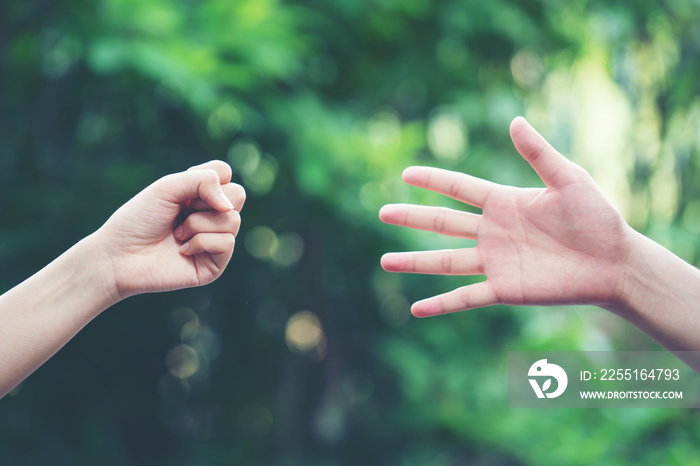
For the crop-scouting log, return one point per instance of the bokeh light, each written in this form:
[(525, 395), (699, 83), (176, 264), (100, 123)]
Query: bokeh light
[(385, 130), (224, 122), (183, 322), (447, 135), (282, 250), (527, 68), (261, 242), (304, 332), (290, 248), (182, 361), (258, 170)]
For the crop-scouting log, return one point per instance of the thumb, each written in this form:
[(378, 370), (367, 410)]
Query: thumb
[(552, 167), (192, 184)]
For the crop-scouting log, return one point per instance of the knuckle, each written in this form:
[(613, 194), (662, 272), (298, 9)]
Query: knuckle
[(210, 175), (404, 217), (535, 154), (237, 191), (446, 263), (192, 223), (241, 192), (455, 188), (439, 222), (229, 242), (464, 298), (234, 222), (234, 217), (412, 266), (236, 194), (224, 167), (195, 243)]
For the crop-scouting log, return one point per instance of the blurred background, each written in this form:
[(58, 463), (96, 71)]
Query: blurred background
[(304, 352)]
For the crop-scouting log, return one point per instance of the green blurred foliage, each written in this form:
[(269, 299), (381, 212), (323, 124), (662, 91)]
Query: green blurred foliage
[(318, 106)]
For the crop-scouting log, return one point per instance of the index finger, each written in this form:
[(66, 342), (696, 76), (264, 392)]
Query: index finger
[(459, 186), (219, 166), (192, 184), (234, 192)]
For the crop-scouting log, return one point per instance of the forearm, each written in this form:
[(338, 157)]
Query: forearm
[(661, 296), (44, 312)]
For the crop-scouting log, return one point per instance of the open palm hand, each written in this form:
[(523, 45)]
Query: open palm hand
[(563, 244)]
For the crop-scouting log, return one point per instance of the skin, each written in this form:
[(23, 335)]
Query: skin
[(178, 232), (562, 244)]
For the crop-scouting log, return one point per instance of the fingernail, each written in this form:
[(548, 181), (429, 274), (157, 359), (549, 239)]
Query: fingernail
[(185, 247), (178, 232), (226, 201)]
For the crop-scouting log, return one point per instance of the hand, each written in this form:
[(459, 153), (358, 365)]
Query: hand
[(178, 232), (563, 244)]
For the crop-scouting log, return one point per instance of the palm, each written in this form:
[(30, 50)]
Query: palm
[(541, 246)]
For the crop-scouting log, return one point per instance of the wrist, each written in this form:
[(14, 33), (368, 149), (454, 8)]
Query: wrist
[(631, 269), (659, 295), (99, 263), (653, 280)]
